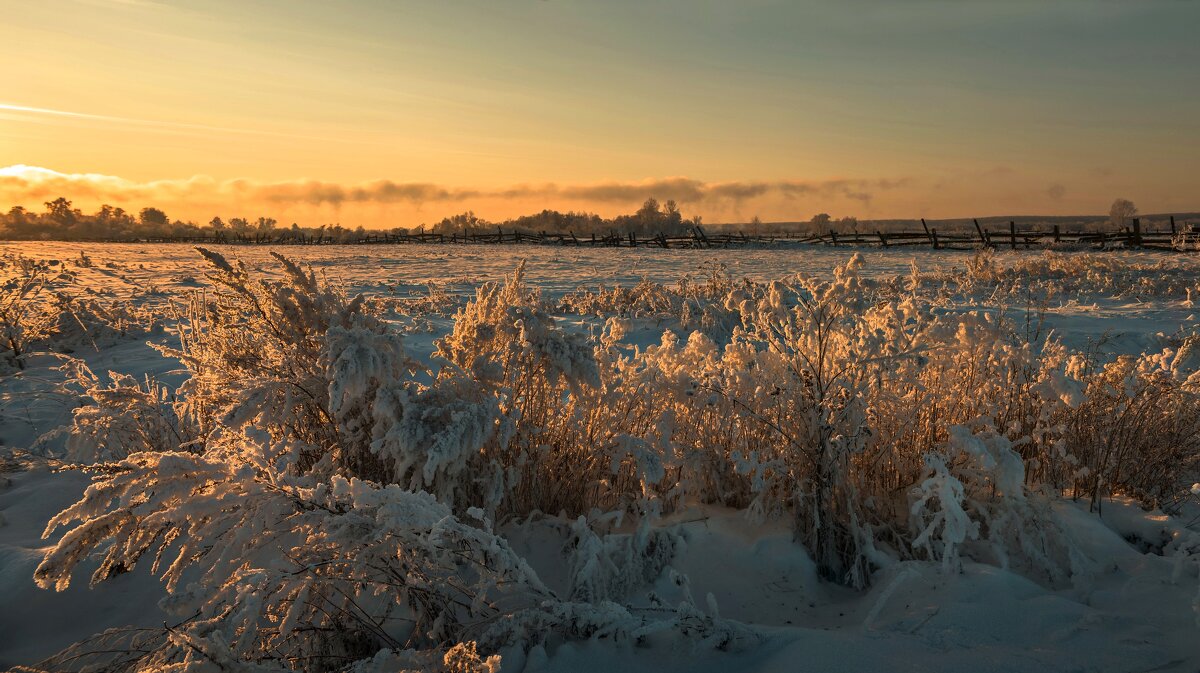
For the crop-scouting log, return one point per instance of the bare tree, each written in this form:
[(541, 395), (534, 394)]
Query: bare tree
[(819, 222), (1122, 212)]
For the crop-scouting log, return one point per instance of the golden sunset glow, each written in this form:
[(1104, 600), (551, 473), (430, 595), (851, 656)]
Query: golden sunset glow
[(393, 114)]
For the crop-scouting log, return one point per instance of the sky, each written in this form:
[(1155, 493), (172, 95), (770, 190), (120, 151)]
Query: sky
[(393, 113)]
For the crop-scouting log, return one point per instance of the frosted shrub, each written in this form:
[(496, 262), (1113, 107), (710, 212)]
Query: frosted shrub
[(1138, 432), (436, 300), (294, 358), (84, 323), (549, 452), (1070, 275), (25, 315), (42, 307), (504, 331), (710, 306), (779, 418), (252, 483), (831, 402), (939, 520), (973, 497), (609, 567), (646, 299), (308, 573), (829, 353), (120, 417)]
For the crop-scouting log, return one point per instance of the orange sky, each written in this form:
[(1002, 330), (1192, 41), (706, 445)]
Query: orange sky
[(397, 113)]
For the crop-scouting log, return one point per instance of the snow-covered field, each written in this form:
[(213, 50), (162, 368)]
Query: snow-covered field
[(636, 461)]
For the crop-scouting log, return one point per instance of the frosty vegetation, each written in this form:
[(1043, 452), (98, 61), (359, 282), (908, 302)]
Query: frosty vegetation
[(41, 306), (317, 496)]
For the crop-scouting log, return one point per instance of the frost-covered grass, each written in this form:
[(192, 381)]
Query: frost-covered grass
[(43, 305), (353, 476)]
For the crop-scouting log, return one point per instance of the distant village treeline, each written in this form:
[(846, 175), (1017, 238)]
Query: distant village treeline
[(63, 222)]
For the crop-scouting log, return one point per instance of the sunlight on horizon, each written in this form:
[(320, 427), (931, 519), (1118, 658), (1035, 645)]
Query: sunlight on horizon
[(938, 110)]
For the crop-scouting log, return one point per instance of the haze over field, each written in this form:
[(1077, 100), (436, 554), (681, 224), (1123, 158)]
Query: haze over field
[(389, 114)]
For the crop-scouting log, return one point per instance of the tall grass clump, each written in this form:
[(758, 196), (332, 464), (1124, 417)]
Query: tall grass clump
[(44, 308), (25, 317)]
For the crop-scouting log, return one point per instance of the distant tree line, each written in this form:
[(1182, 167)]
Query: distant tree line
[(61, 221), (651, 219)]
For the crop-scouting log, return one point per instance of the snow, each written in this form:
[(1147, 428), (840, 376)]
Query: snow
[(1133, 617), (1135, 607), (35, 623)]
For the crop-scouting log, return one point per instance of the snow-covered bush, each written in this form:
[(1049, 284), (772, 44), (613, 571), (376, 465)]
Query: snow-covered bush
[(973, 498), (548, 453), (88, 323), (436, 300), (295, 570), (1138, 431), (779, 419), (120, 416), (646, 299), (42, 306), (291, 559), (1068, 275), (833, 400), (25, 317), (295, 358)]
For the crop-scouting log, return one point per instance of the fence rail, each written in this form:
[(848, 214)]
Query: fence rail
[(1177, 238)]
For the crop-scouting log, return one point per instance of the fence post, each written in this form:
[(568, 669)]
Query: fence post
[(833, 235), (882, 238), (1056, 234), (1172, 225), (982, 236), (1137, 233), (1012, 232), (933, 235), (927, 234)]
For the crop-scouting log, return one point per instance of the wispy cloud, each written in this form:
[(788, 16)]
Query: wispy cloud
[(681, 189), (153, 124), (25, 183)]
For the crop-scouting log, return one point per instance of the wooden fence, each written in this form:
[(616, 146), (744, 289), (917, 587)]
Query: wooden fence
[(1176, 238)]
